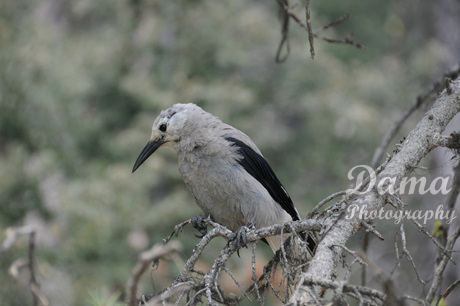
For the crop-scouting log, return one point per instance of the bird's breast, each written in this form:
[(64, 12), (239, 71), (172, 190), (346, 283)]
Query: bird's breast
[(224, 190)]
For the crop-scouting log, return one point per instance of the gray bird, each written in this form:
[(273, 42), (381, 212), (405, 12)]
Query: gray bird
[(224, 170)]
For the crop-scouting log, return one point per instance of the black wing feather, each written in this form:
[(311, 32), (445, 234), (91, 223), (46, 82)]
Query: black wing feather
[(259, 168)]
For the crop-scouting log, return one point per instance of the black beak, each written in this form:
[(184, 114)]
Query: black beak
[(148, 150)]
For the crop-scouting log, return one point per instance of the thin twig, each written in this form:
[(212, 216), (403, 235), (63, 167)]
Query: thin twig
[(145, 258), (443, 250), (284, 33), (12, 235), (365, 291), (323, 202), (389, 288), (365, 246), (31, 263), (450, 204), (411, 298), (353, 253), (309, 29), (398, 257), (333, 23), (347, 41), (177, 229), (311, 33), (207, 283), (407, 253), (237, 283), (371, 229), (418, 102), (451, 287), (441, 267), (254, 275)]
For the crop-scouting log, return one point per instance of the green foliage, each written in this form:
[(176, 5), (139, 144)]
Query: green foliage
[(20, 192), (102, 298), (438, 229)]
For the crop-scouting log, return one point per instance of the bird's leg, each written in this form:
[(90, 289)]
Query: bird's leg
[(239, 236), (199, 222)]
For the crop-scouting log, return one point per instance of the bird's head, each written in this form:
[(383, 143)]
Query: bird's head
[(173, 124)]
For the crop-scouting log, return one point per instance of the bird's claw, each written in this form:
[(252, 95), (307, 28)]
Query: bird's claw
[(199, 222), (240, 237)]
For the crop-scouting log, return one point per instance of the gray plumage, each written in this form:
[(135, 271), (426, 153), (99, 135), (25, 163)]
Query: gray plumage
[(223, 169)]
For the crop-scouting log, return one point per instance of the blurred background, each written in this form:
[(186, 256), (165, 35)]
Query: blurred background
[(82, 81)]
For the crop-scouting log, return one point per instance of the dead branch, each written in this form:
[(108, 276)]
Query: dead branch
[(407, 253), (420, 100), (441, 247), (389, 288), (153, 255), (445, 249), (324, 202), (440, 268), (333, 23), (302, 280), (31, 265), (371, 229), (288, 14), (451, 287), (417, 145), (284, 33), (451, 142), (309, 29), (199, 285), (343, 287), (12, 235)]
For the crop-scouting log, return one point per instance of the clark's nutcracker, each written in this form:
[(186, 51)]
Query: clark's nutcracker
[(223, 169)]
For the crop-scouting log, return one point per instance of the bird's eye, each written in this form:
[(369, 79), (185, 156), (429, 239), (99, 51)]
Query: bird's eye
[(163, 127)]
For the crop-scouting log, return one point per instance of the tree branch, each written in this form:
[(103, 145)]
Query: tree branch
[(157, 252), (427, 97), (197, 285), (440, 268), (420, 141)]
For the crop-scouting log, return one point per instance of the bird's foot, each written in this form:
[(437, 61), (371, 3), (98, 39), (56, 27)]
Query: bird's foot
[(199, 222), (240, 237)]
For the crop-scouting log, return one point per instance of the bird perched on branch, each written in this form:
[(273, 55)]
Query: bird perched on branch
[(224, 170)]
